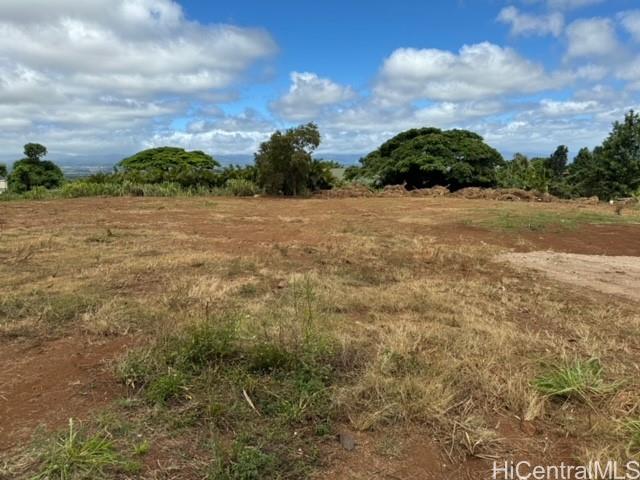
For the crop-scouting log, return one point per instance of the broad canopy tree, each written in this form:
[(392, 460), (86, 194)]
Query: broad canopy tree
[(169, 164), (427, 157)]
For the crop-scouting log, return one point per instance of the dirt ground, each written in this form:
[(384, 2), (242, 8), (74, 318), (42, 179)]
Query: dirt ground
[(47, 379), (45, 383), (619, 276)]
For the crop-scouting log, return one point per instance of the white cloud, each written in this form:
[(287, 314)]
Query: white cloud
[(571, 4), (115, 64), (630, 72), (555, 108), (308, 95), (631, 22), (527, 24), (222, 135), (476, 72), (565, 4), (593, 37)]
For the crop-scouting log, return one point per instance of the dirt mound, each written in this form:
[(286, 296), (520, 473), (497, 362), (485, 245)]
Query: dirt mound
[(436, 191), (469, 193), (475, 193), (394, 191), (503, 194), (350, 191), (585, 200)]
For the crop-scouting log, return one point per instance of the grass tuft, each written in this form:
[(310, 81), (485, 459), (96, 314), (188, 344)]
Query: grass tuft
[(76, 455), (579, 379)]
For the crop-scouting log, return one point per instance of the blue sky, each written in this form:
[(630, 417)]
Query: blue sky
[(109, 77)]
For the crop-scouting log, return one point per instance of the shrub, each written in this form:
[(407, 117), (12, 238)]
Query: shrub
[(239, 187)]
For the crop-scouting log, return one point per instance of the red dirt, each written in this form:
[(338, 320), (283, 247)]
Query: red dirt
[(48, 382), (420, 458), (236, 225), (622, 240)]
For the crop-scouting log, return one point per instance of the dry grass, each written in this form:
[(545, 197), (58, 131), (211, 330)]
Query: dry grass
[(429, 333)]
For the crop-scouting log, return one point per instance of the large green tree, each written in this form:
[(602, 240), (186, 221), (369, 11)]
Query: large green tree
[(169, 164), (284, 162), (557, 162), (613, 169), (427, 157), (33, 171), (3, 170), (583, 174)]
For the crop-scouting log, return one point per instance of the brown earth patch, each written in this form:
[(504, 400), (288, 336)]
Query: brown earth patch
[(48, 382), (606, 274), (411, 455), (608, 240), (236, 225)]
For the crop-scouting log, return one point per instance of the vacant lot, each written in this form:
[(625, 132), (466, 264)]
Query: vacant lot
[(347, 338)]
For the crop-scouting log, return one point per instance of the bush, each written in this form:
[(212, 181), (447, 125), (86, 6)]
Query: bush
[(239, 187)]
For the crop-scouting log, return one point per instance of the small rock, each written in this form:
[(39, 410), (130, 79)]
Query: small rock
[(347, 441), (282, 284)]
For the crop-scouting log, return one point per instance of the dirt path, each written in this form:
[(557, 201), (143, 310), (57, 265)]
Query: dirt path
[(610, 275)]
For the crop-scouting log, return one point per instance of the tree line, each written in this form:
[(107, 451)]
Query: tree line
[(416, 158)]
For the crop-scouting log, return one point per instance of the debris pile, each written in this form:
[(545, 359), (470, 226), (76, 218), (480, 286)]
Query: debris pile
[(470, 193)]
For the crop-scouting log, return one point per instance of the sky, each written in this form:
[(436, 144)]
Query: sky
[(106, 78)]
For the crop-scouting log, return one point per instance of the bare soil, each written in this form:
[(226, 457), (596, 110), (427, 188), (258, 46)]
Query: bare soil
[(46, 383), (610, 275)]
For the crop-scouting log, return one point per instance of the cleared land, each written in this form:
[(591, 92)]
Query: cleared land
[(227, 338)]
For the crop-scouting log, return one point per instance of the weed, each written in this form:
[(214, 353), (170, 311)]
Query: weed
[(251, 464), (166, 387), (579, 379), (142, 448), (632, 431), (76, 455)]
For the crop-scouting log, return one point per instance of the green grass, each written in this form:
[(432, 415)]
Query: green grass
[(540, 221), (81, 188), (580, 380), (76, 455), (632, 432), (51, 308), (267, 393)]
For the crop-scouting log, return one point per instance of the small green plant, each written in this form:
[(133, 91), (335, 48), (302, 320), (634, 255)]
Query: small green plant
[(251, 464), (202, 345), (579, 379), (142, 448), (75, 455), (632, 430), (166, 387)]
